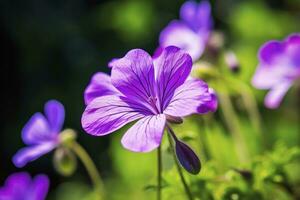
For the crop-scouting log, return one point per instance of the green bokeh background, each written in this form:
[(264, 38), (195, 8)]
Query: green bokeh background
[(50, 49)]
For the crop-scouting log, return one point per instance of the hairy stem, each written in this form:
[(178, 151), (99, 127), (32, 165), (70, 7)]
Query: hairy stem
[(159, 171)]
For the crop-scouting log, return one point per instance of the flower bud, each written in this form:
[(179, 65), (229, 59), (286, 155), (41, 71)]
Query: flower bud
[(64, 161), (232, 61), (187, 158), (67, 136), (246, 174), (215, 42), (204, 70)]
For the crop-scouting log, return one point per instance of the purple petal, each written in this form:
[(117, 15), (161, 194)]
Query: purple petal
[(270, 51), (55, 114), (287, 51), (188, 12), (133, 75), (18, 180), (172, 68), (276, 94), (110, 63), (294, 38), (263, 78), (106, 114), (157, 52), (179, 35), (20, 186), (266, 76), (193, 96), (40, 187), (99, 85), (292, 49), (36, 130), (31, 153), (197, 16), (210, 105), (146, 134), (15, 186)]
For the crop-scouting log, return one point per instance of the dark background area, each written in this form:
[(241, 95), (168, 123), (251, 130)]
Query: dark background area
[(50, 49)]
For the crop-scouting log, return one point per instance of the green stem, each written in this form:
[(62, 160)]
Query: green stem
[(298, 107), (250, 103), (203, 138), (159, 171), (90, 167), (233, 125), (186, 188), (251, 106)]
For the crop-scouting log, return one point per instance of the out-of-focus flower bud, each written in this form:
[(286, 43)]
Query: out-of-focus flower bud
[(67, 136), (232, 61), (246, 174), (215, 42), (64, 161), (187, 157), (204, 70)]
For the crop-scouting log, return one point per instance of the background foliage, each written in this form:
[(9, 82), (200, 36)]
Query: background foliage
[(51, 49)]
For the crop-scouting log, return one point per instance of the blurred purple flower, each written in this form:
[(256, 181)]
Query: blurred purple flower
[(20, 186), (149, 91), (279, 67), (41, 133), (191, 32)]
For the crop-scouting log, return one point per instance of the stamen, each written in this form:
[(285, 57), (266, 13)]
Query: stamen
[(152, 100)]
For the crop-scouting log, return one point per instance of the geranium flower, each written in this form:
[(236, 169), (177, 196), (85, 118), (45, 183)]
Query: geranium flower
[(279, 67), (41, 133), (191, 32), (151, 91), (21, 186)]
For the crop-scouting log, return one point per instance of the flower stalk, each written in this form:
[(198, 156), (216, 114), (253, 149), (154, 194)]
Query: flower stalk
[(159, 172), (186, 188), (90, 167), (233, 125)]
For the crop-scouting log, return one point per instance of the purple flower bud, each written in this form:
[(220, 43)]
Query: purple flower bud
[(187, 158)]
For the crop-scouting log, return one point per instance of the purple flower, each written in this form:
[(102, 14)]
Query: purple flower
[(150, 91), (191, 32), (20, 186), (41, 133), (279, 67)]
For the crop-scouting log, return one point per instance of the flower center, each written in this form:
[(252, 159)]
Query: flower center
[(152, 101)]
